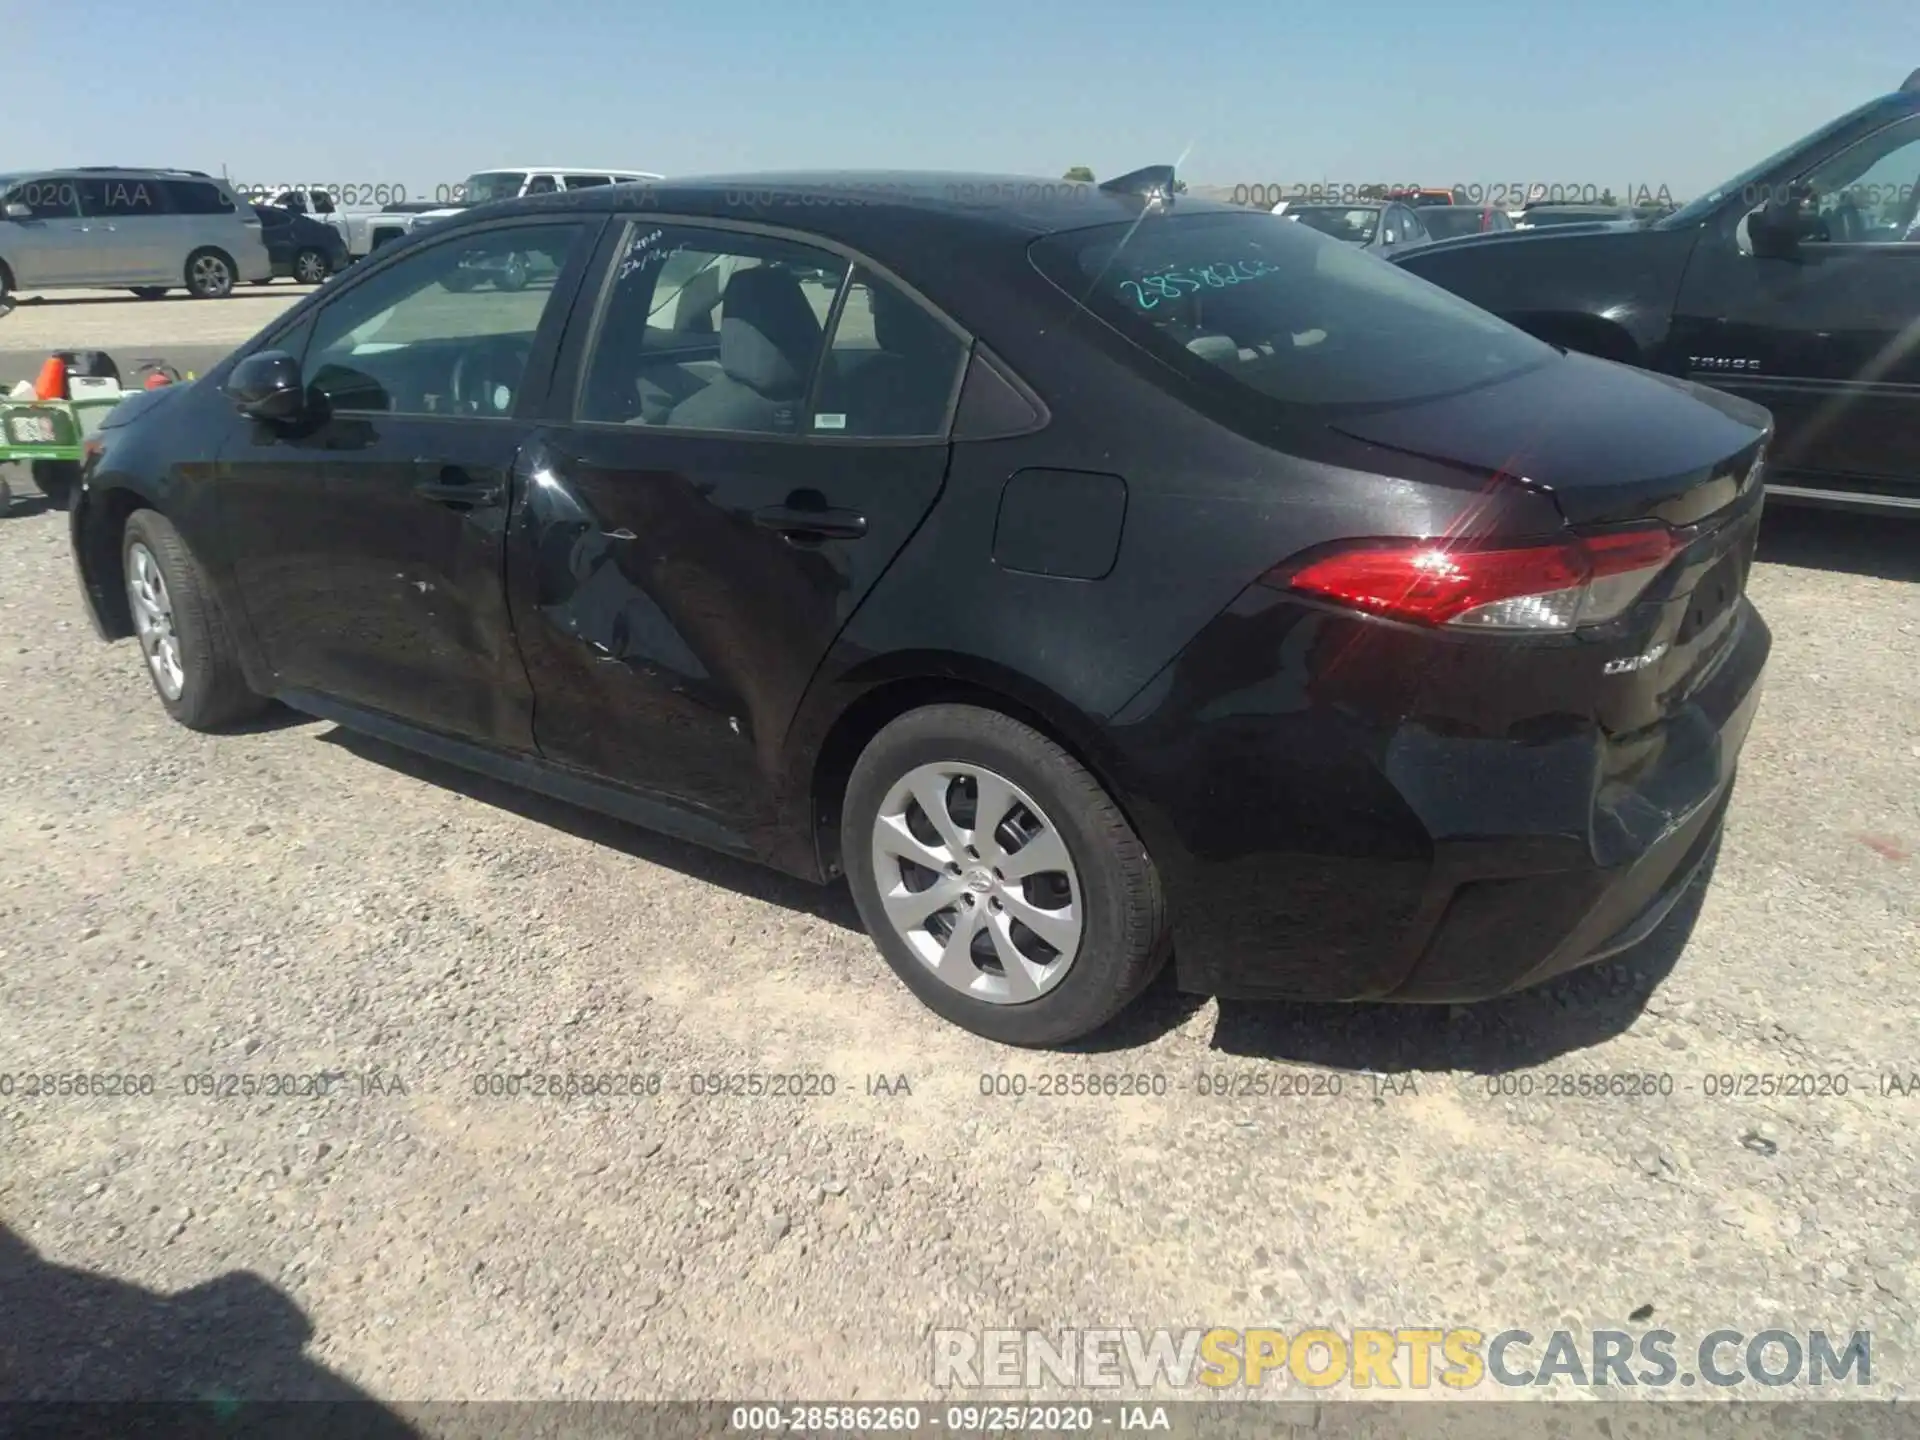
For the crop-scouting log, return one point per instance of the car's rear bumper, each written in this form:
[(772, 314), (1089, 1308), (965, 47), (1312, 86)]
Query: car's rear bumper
[(1311, 851)]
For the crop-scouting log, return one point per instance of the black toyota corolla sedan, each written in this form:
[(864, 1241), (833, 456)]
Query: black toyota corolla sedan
[(1089, 574)]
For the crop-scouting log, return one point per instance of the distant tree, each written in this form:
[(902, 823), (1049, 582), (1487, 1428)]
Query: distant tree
[(1606, 198), (1079, 172)]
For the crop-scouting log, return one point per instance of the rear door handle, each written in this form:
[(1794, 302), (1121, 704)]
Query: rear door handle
[(806, 524), (450, 485)]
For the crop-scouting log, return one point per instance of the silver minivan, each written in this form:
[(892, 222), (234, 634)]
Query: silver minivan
[(149, 231)]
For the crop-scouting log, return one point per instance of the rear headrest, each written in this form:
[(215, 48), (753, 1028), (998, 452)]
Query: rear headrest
[(769, 334), (899, 325)]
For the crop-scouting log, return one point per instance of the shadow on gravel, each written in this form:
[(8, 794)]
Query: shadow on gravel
[(1840, 541), (212, 1353), (1574, 1012), (275, 717), (831, 903), (23, 505)]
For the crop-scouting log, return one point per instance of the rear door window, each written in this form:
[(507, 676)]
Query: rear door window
[(1282, 315), (710, 330), (587, 182), (892, 368), (119, 198)]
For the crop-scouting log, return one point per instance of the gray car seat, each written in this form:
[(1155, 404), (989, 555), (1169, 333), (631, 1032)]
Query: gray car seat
[(902, 387), (769, 338)]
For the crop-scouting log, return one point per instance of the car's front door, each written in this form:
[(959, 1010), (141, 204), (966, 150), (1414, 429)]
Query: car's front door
[(756, 427), (48, 245), (1824, 337), (367, 542)]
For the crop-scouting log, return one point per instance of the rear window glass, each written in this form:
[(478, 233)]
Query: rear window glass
[(1358, 224), (1443, 222), (494, 185), (192, 197), (1278, 310)]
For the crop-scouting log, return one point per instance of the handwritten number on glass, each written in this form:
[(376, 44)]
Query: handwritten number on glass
[(1149, 290)]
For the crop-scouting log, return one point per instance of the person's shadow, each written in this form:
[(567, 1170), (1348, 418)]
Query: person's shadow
[(85, 1355)]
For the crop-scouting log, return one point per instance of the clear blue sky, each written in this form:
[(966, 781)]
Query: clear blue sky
[(1682, 92)]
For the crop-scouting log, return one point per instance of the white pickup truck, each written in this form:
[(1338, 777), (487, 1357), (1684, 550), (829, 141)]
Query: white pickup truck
[(364, 230), (511, 181)]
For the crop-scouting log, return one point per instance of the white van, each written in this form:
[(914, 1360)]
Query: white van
[(149, 231)]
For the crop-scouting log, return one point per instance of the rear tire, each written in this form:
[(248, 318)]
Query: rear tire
[(1104, 898), (198, 676), (310, 266), (210, 275)]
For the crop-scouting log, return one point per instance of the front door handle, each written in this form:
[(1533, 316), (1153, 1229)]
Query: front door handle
[(450, 485), (809, 524)]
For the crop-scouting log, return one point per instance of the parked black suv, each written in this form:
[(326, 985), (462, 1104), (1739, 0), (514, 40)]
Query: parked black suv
[(1796, 284)]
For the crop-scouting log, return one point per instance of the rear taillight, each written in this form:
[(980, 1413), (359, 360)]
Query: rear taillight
[(1545, 588)]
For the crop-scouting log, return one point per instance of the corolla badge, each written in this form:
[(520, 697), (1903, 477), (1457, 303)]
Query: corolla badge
[(1627, 664)]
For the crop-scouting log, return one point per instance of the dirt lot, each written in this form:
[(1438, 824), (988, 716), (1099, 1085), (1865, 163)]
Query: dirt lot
[(108, 320), (296, 901)]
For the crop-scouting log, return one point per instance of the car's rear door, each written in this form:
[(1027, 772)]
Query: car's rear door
[(750, 428), (367, 543)]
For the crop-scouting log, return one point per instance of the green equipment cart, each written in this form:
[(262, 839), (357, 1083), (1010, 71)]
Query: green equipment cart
[(50, 436)]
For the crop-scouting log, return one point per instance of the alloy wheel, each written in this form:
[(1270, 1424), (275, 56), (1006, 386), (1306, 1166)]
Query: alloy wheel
[(210, 276), (310, 267), (978, 882), (153, 620)]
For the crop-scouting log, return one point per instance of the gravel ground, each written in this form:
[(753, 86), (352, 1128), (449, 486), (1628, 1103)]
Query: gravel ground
[(295, 900), (103, 319)]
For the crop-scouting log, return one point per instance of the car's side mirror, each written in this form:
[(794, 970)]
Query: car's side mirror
[(18, 211), (268, 386)]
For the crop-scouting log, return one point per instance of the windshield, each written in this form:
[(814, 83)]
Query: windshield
[(1355, 225), (1283, 312), (494, 185)]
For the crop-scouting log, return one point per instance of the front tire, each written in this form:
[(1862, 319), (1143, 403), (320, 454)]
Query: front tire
[(998, 878), (189, 650), (209, 275)]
